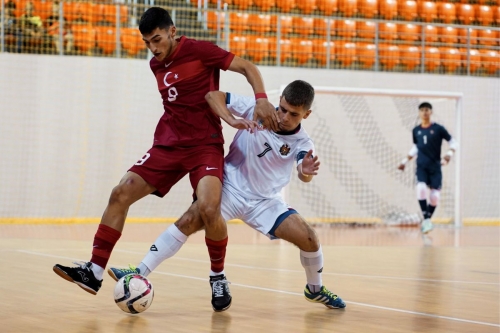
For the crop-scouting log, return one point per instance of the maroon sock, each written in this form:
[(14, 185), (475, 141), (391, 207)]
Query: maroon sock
[(217, 253), (104, 240)]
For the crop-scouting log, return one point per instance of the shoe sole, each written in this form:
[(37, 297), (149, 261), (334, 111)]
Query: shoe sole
[(224, 309), (113, 276), (328, 306), (66, 277)]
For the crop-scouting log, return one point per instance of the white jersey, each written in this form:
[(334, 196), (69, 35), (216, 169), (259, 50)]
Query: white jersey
[(260, 164)]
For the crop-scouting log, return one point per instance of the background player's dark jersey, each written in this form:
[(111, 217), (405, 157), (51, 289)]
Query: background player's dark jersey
[(184, 78), (428, 141)]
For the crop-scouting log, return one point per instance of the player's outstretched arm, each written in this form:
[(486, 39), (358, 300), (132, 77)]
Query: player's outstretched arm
[(309, 167), (264, 110), (217, 101), (413, 151)]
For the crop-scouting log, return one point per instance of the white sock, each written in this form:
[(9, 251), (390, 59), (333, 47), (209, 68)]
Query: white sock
[(97, 270), (143, 269), (165, 246), (212, 273), (313, 265)]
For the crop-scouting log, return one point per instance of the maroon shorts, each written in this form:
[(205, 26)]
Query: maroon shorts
[(163, 167)]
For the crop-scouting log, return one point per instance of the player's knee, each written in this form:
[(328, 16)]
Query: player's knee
[(209, 214), (119, 196), (434, 197), (421, 191), (312, 240), (189, 223)]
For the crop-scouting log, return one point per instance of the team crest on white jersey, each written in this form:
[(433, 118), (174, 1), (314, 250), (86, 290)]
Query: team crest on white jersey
[(285, 149)]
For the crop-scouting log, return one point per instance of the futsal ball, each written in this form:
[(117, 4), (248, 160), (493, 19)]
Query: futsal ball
[(134, 293)]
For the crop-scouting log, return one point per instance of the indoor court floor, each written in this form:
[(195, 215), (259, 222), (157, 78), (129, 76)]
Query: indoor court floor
[(391, 278)]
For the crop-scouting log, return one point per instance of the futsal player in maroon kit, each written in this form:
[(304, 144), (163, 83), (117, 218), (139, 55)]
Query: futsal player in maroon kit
[(188, 140)]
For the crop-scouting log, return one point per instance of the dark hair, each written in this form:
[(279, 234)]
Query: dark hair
[(155, 17), (299, 93), (425, 105)]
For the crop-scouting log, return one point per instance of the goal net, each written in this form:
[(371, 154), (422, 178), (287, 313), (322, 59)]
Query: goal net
[(361, 136)]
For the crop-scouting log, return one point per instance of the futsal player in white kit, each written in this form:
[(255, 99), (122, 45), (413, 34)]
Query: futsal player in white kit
[(258, 166)]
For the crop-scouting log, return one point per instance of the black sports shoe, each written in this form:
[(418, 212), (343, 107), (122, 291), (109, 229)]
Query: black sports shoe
[(81, 275), (221, 296)]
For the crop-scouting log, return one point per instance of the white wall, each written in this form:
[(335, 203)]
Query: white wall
[(72, 126)]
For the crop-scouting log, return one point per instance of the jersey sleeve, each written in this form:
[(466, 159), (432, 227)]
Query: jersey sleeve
[(303, 149), (213, 56), (414, 137), (240, 106), (445, 134)]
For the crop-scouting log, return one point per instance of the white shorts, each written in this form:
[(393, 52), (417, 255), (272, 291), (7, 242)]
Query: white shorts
[(260, 214)]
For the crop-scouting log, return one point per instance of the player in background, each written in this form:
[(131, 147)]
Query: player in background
[(256, 169), (188, 140), (427, 139)]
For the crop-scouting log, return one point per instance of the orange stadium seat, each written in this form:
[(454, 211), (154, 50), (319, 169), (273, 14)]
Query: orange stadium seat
[(285, 24), (389, 55), (131, 39), (285, 5), (43, 8), (497, 14), (466, 13), (490, 60), (212, 20), (106, 39), (303, 26), (238, 21), (264, 5), (474, 59), (237, 45), (410, 56), (366, 29), (285, 48), (366, 54), (260, 23), (388, 31), (20, 7), (346, 28), (431, 34), (427, 11), (345, 53), (432, 58), (84, 37), (321, 26), (327, 7), (484, 15), (388, 9), (257, 48), (214, 2), (447, 12), (408, 10), (306, 6), (301, 49), (348, 7), (320, 48), (368, 8), (242, 4), (488, 37), (462, 36), (448, 35), (79, 11), (451, 59), (410, 32), (109, 13)]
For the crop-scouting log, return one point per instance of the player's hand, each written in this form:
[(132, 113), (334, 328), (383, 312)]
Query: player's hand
[(266, 112), (244, 124), (445, 160), (310, 165), (401, 167)]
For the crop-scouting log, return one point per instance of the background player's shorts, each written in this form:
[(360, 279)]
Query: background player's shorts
[(263, 215), (431, 176), (163, 167)]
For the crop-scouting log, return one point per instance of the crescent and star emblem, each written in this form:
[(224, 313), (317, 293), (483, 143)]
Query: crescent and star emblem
[(176, 76)]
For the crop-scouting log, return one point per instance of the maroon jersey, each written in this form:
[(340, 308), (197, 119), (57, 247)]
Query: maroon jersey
[(184, 78)]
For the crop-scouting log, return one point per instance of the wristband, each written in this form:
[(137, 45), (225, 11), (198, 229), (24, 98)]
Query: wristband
[(260, 95), (405, 160), (450, 153)]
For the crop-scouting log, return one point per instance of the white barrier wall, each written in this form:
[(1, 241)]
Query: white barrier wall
[(71, 126)]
